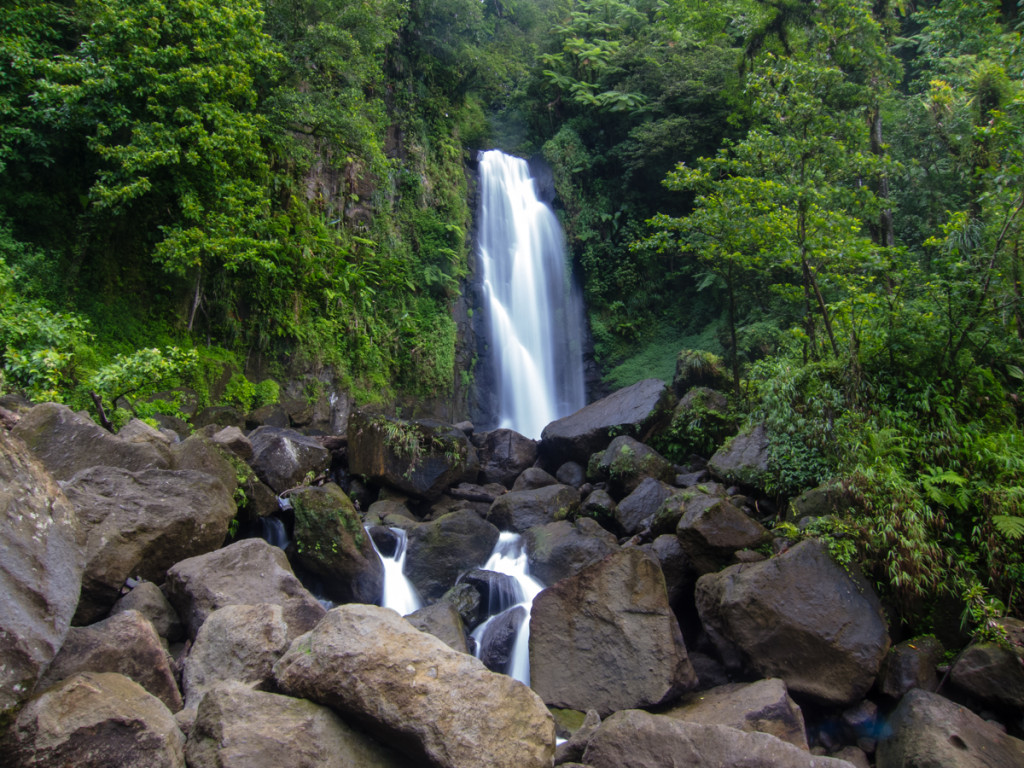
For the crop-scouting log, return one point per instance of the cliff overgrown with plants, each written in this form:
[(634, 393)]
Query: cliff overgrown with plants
[(826, 195)]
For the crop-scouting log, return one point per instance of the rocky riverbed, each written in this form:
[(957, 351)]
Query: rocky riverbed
[(142, 623)]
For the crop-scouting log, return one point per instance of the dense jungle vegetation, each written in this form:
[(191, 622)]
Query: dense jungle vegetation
[(823, 197)]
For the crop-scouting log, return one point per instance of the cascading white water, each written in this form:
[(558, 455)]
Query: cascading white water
[(535, 314), (509, 558), (398, 594), (273, 532)]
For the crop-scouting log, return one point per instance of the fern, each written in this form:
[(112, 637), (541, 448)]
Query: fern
[(1010, 526)]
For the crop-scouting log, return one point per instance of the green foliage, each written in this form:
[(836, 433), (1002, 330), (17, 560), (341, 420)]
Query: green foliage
[(131, 377)]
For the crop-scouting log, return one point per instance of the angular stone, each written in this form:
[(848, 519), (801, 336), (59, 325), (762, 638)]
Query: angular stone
[(637, 511), (800, 617), (606, 638), (504, 454), (139, 524), (637, 739), (95, 720), (41, 566), (626, 462), (282, 458), (637, 410), (248, 572), (441, 550), (764, 706), (558, 550), (238, 643), (571, 473), (911, 664), (203, 455), (712, 529), (232, 439), (991, 674), (146, 598), (138, 431), (928, 730), (698, 368), (533, 478), (421, 458), (236, 727), (497, 639), (443, 621), (410, 690), (127, 644), (743, 460), (332, 543), (519, 510), (67, 442), (680, 575)]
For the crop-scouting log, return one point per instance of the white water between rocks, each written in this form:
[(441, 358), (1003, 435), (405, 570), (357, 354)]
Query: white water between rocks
[(535, 315), (398, 593)]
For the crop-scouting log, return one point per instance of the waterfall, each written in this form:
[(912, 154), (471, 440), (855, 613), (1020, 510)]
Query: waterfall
[(534, 311), (398, 593), (273, 532), (509, 558)]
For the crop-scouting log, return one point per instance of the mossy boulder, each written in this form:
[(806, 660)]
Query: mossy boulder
[(698, 368), (332, 543), (626, 463)]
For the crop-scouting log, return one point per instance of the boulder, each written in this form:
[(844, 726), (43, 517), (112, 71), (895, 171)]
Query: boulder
[(911, 664), (606, 638), (138, 431), (40, 570), (572, 749), (712, 529), (441, 550), (421, 458), (571, 473), (626, 462), (558, 550), (743, 460), (600, 506), (991, 674), (94, 720), (236, 727), (668, 514), (504, 454), (680, 575), (67, 442), (203, 455), (231, 439), (800, 617), (636, 512), (519, 510), (139, 524), (701, 422), (332, 543), (533, 478), (497, 639), (928, 730), (637, 739), (239, 643), (764, 706), (443, 621), (248, 572), (637, 411), (283, 458), (126, 644), (146, 598), (698, 368), (410, 690), (465, 599)]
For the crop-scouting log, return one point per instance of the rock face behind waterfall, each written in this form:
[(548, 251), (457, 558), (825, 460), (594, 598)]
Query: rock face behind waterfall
[(606, 639), (412, 691)]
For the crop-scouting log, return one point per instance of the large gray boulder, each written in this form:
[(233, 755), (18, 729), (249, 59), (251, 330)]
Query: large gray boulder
[(911, 664), (711, 529), (637, 511), (332, 543), (764, 706), (742, 460), (67, 442), (992, 674), (558, 550), (637, 411), (504, 454), (94, 720), (519, 510), (283, 458), (126, 644), (606, 639), (41, 567), (626, 462), (800, 617), (237, 643), (928, 731), (146, 598), (236, 727), (421, 458), (442, 620), (637, 739), (441, 550), (248, 572), (410, 690), (139, 524)]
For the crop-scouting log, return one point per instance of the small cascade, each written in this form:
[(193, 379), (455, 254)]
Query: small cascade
[(510, 610), (535, 314), (398, 594), (273, 532)]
